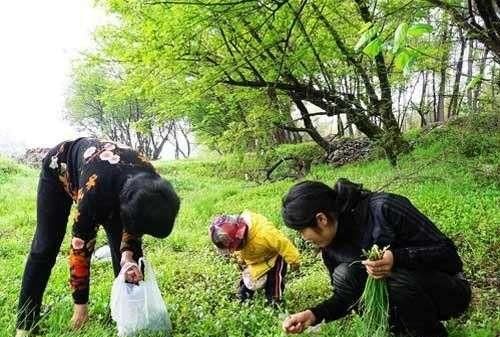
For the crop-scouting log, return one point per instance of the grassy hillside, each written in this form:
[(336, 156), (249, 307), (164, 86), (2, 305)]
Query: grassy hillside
[(452, 175)]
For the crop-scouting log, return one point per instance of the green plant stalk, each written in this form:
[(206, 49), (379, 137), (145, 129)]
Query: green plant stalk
[(374, 302)]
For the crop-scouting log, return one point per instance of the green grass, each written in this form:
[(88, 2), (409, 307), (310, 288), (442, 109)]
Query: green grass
[(442, 176)]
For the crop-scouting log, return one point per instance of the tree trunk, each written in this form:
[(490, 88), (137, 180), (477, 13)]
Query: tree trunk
[(434, 97), (470, 64), (493, 91), (309, 128), (186, 138), (340, 126), (350, 130), (452, 110), (477, 89), (442, 80), (488, 31), (421, 107)]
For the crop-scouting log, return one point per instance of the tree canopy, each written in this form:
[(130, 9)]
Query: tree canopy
[(251, 74)]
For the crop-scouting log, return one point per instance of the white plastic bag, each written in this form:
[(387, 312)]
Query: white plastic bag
[(102, 254), (140, 307)]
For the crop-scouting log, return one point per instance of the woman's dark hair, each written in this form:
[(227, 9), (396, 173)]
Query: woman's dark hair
[(148, 205), (306, 199)]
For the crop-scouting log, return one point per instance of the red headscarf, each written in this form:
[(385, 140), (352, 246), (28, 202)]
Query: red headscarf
[(228, 232)]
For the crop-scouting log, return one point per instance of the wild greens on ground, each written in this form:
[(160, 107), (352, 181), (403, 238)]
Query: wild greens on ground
[(448, 176)]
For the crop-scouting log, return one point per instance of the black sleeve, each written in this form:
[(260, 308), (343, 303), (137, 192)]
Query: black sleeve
[(417, 243), (339, 304), (333, 308), (131, 243)]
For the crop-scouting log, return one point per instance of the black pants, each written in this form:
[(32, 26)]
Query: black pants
[(418, 300), (53, 207), (275, 284)]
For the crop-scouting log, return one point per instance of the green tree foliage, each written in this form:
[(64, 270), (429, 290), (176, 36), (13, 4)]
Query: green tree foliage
[(479, 18), (299, 50), (241, 71), (100, 104), (231, 119)]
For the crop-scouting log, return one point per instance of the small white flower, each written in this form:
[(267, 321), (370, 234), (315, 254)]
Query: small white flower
[(90, 151), (53, 162), (64, 167), (106, 155), (115, 159), (109, 146)]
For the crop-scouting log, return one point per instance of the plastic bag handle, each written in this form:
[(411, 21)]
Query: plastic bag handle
[(143, 266), (148, 272)]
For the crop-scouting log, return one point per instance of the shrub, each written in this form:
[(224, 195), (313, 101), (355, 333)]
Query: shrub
[(8, 169)]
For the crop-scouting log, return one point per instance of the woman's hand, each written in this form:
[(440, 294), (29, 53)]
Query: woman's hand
[(80, 316), (133, 274), (298, 322), (380, 268)]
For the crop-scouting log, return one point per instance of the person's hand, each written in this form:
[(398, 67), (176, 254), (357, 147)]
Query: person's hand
[(380, 268), (22, 333), (298, 322), (80, 316), (295, 266), (133, 273)]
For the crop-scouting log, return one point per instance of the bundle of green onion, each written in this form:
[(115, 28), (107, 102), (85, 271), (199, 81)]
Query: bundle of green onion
[(375, 301)]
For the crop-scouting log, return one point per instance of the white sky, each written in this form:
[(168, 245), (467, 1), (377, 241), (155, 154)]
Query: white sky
[(39, 39)]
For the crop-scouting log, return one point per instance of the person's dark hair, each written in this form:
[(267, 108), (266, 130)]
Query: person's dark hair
[(148, 205), (306, 199)]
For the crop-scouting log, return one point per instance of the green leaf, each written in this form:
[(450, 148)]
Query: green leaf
[(363, 39), (402, 59), (366, 26), (400, 37), (366, 37), (473, 82), (409, 64), (419, 29), (373, 48)]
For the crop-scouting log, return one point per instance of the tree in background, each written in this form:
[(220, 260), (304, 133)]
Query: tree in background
[(100, 104), (240, 71), (479, 18)]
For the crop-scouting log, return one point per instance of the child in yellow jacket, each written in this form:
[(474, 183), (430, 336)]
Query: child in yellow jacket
[(260, 248)]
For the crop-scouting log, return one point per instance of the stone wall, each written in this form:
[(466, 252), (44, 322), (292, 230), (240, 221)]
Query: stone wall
[(349, 150)]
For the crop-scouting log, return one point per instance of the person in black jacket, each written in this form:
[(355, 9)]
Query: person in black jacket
[(422, 268), (112, 186)]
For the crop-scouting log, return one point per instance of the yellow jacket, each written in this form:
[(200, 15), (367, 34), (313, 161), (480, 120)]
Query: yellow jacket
[(264, 243)]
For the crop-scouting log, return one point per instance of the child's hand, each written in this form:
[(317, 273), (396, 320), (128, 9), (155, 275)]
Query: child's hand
[(298, 322), (295, 266)]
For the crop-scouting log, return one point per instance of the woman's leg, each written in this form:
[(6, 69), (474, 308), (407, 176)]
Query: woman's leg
[(53, 206), (114, 234), (419, 300)]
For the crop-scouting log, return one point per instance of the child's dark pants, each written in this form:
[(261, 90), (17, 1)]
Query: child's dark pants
[(274, 287)]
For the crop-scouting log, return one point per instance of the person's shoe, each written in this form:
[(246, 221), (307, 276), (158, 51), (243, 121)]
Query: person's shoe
[(274, 304), (22, 333)]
